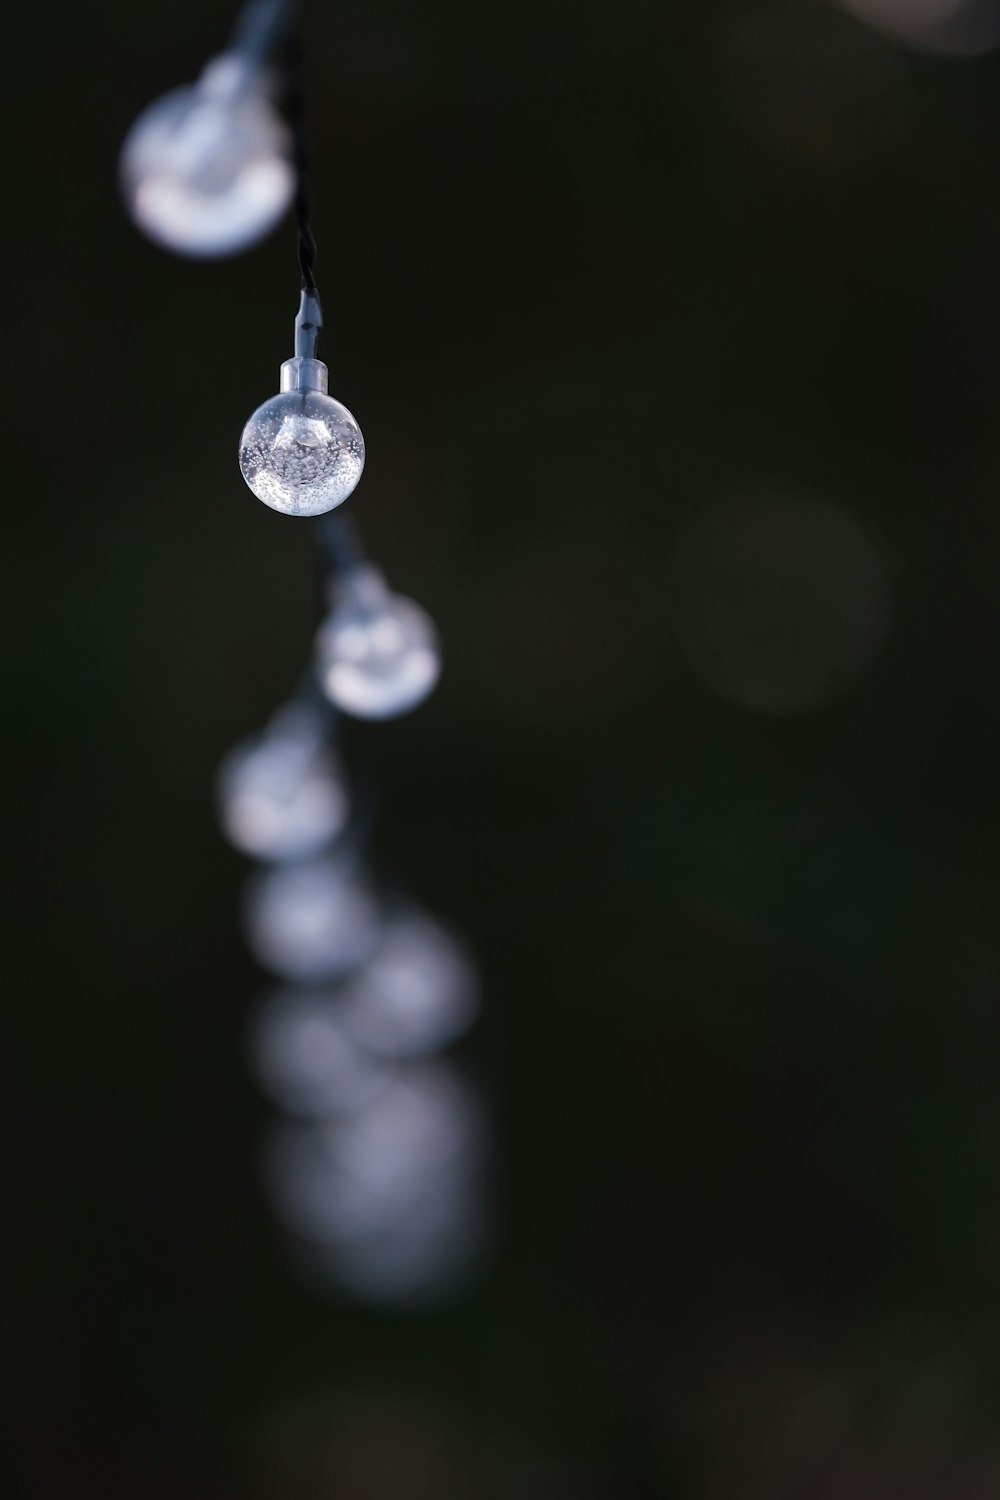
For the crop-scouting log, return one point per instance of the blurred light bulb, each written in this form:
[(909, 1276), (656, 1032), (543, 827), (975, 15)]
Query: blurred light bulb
[(280, 794), (416, 993), (206, 170), (306, 1058), (377, 653), (428, 1257), (344, 1181), (961, 27), (311, 922)]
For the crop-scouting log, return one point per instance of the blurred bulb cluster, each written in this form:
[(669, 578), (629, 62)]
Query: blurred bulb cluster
[(376, 1170)]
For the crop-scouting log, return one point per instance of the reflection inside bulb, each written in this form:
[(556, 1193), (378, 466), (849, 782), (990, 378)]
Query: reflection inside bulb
[(303, 451)]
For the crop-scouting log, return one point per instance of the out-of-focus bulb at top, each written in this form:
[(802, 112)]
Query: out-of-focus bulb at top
[(377, 654), (206, 170)]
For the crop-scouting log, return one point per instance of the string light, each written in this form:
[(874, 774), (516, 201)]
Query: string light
[(377, 1174), (281, 795), (306, 1058), (417, 992), (206, 171), (377, 654), (313, 920), (302, 453)]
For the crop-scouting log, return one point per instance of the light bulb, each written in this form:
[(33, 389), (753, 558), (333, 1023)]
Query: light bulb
[(206, 170), (280, 794), (307, 1059), (377, 654), (340, 1181), (416, 993), (302, 453), (311, 922)]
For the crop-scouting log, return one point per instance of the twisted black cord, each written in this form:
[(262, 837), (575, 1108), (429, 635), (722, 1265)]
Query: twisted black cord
[(295, 110)]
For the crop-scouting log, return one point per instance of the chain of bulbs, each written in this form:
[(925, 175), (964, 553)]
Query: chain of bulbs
[(207, 171)]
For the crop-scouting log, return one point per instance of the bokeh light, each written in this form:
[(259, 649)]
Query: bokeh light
[(377, 653), (311, 922), (206, 170), (281, 795), (306, 1058), (963, 27), (389, 1200), (778, 604), (416, 993)]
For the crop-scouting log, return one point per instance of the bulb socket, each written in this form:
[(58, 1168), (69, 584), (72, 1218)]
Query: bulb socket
[(299, 374)]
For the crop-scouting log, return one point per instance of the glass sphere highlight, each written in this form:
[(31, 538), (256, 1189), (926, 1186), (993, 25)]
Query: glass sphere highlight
[(302, 453), (280, 794), (377, 654), (206, 171)]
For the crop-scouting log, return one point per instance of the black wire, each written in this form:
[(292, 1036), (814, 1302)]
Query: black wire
[(263, 27), (296, 113)]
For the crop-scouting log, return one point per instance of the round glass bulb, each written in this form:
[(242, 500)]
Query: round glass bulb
[(310, 922), (302, 453), (340, 1181), (206, 170), (377, 653), (416, 993), (280, 794), (307, 1060)]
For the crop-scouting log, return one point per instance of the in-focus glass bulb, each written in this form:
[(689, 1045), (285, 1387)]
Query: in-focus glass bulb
[(377, 654), (302, 453), (281, 795), (206, 170)]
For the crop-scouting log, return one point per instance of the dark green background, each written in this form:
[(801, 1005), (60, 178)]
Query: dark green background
[(586, 269)]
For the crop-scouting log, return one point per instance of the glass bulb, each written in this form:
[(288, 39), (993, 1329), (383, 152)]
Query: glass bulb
[(307, 1060), (377, 653), (416, 993), (311, 922), (280, 794), (343, 1180), (206, 170), (302, 453)]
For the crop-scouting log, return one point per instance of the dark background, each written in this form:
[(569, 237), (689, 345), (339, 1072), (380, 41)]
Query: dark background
[(589, 273)]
